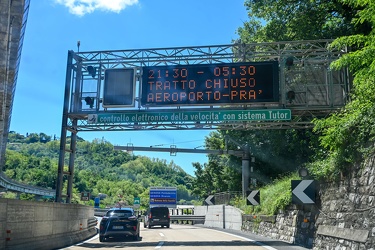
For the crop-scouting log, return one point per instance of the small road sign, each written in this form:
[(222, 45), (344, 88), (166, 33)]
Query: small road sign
[(210, 200), (85, 196), (253, 197), (96, 202), (303, 192), (137, 202)]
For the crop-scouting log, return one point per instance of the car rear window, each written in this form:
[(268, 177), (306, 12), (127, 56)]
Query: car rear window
[(159, 211), (119, 213)]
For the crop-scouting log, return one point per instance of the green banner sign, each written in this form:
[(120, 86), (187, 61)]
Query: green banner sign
[(191, 116), (137, 200)]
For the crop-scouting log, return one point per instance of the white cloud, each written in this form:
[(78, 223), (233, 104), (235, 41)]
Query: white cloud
[(82, 7)]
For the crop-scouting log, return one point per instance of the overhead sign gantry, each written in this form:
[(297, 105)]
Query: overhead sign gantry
[(237, 86)]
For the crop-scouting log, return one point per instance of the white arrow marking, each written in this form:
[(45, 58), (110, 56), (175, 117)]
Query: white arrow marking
[(299, 191), (208, 200), (161, 243), (251, 197)]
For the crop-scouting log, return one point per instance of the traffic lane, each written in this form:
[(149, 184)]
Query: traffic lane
[(185, 237), (279, 245), (178, 237)]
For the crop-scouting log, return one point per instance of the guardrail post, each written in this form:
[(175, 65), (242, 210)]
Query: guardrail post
[(223, 216)]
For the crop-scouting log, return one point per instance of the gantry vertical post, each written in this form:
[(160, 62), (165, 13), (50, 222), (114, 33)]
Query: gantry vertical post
[(60, 170), (245, 170)]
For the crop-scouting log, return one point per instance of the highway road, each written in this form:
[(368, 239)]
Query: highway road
[(182, 237)]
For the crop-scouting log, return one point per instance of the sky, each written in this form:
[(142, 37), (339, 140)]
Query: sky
[(54, 27)]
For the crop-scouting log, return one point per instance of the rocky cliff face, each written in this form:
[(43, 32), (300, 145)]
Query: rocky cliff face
[(347, 213)]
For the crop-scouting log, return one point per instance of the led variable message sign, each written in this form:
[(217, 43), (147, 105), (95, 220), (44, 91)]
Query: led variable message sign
[(210, 84)]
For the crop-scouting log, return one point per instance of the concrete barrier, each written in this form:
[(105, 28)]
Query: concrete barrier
[(220, 216), (44, 225), (233, 218)]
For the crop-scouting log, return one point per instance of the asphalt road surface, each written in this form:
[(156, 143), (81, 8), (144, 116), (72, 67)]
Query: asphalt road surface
[(187, 237)]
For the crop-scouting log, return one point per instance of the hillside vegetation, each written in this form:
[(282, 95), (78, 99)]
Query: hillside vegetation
[(99, 169)]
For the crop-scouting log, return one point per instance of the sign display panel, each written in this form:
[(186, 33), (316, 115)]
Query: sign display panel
[(163, 196), (97, 202), (137, 202), (303, 191), (85, 196), (192, 116), (119, 88), (229, 83)]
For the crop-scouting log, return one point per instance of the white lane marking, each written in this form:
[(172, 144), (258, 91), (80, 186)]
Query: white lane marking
[(161, 243), (256, 242), (81, 243)]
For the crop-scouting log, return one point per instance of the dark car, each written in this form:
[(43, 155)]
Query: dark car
[(157, 216), (119, 222)]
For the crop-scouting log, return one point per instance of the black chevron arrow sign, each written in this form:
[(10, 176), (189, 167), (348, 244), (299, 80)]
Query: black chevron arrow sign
[(253, 197), (303, 192), (210, 200)]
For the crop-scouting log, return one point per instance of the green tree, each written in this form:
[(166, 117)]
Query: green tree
[(276, 153), (349, 134), (274, 20)]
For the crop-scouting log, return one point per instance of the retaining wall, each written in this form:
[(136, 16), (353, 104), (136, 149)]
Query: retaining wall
[(43, 225), (295, 225), (347, 218)]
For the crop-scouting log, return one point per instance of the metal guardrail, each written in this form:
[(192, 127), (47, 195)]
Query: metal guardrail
[(225, 197), (100, 212), (193, 218), (13, 185), (92, 222)]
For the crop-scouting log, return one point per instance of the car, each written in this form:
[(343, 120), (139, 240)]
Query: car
[(157, 216), (119, 222)]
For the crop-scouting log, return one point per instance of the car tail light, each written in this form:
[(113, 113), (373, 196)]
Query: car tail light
[(102, 222), (135, 228), (169, 216), (133, 217), (149, 215)]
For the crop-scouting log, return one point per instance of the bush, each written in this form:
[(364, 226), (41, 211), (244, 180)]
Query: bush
[(273, 197)]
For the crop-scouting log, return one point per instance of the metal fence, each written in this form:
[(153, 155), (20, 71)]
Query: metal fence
[(225, 197)]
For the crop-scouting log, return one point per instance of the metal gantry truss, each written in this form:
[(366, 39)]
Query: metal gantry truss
[(318, 89), (304, 70)]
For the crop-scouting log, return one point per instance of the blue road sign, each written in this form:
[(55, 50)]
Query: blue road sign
[(163, 196), (96, 202)]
